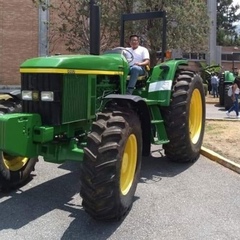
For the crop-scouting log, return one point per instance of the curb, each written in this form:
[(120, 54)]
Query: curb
[(226, 119), (220, 159)]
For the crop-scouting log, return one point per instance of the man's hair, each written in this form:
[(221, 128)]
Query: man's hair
[(134, 35)]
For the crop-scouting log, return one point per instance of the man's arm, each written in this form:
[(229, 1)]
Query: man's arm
[(146, 58), (144, 63)]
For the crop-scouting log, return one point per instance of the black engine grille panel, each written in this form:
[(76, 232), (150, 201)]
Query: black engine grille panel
[(50, 112)]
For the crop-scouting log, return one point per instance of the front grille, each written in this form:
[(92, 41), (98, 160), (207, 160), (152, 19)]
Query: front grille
[(50, 112), (75, 98)]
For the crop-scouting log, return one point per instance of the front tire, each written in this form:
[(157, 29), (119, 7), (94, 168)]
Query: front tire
[(185, 118), (14, 171), (111, 164)]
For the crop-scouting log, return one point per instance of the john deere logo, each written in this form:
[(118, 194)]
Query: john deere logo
[(71, 71), (35, 96)]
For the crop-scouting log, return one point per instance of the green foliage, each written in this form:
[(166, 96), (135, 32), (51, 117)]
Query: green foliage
[(71, 23), (187, 24), (226, 17), (44, 4), (187, 28), (205, 72)]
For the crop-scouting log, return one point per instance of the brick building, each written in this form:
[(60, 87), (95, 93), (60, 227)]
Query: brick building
[(18, 38), (230, 58)]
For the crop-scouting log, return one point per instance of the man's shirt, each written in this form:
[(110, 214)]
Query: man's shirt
[(214, 80), (139, 54)]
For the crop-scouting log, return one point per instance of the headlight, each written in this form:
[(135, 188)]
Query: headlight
[(47, 96), (26, 95)]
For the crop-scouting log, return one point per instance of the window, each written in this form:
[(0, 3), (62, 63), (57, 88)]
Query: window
[(186, 55), (194, 56), (231, 56)]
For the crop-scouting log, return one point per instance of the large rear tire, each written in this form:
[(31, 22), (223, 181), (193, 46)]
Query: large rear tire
[(185, 118), (14, 171), (111, 164)]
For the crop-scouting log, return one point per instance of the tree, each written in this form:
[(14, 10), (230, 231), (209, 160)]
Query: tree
[(187, 24), (226, 17), (187, 27)]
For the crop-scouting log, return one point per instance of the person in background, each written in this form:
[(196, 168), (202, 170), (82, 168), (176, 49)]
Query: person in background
[(140, 60), (236, 91), (214, 84)]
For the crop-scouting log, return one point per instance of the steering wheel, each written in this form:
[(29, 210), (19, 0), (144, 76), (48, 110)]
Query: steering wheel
[(126, 53)]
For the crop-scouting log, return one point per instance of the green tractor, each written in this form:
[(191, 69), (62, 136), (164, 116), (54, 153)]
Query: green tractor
[(74, 107), (225, 81)]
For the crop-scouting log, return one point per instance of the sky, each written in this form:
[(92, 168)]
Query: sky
[(235, 2), (237, 23)]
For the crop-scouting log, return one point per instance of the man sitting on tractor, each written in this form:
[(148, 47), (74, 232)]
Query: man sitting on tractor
[(140, 60)]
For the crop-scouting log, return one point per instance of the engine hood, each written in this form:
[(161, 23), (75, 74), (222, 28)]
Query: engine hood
[(106, 62)]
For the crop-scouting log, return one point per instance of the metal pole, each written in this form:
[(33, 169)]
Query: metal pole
[(43, 21), (233, 67), (164, 38), (122, 32), (94, 28)]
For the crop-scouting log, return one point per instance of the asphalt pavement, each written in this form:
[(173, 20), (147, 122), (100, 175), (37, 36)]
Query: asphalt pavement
[(173, 201), (194, 201)]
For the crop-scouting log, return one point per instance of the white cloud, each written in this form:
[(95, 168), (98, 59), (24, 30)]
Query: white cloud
[(235, 2)]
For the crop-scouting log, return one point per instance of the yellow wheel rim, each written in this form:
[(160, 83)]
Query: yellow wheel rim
[(129, 163), (14, 163), (195, 116)]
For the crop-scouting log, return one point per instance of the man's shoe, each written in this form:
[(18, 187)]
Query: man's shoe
[(227, 113)]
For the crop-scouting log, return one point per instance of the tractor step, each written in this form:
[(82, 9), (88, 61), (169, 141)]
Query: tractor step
[(158, 124)]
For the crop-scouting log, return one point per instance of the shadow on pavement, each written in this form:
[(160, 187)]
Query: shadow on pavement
[(220, 108), (22, 207), (158, 166)]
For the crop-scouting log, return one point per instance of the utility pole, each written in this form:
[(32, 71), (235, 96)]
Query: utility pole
[(43, 22), (212, 12)]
